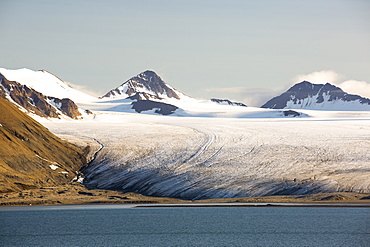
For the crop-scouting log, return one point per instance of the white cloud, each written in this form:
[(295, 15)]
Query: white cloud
[(356, 87), (361, 88), (319, 77)]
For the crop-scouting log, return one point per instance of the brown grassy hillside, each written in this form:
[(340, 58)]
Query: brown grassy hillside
[(27, 150)]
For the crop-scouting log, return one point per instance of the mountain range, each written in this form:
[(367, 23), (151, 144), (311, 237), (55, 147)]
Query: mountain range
[(44, 94)]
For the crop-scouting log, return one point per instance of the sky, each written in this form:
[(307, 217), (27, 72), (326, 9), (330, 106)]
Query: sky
[(248, 51)]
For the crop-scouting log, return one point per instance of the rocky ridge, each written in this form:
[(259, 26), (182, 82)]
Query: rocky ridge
[(228, 102), (35, 102)]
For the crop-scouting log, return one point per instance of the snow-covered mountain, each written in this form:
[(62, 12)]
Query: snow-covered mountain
[(306, 95), (147, 85), (46, 83), (147, 92), (32, 101)]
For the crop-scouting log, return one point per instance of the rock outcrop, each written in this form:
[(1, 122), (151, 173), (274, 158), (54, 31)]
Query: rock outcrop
[(157, 107), (35, 102), (227, 102)]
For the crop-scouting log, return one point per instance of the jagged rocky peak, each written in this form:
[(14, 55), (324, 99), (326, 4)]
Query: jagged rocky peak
[(305, 88), (306, 95), (147, 82)]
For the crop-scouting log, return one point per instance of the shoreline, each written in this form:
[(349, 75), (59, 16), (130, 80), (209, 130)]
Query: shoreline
[(219, 205), (185, 205), (78, 194)]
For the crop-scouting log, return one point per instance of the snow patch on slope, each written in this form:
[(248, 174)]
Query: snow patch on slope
[(310, 103)]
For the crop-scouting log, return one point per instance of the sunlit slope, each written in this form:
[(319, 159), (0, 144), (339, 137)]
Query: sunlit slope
[(197, 158), (30, 155)]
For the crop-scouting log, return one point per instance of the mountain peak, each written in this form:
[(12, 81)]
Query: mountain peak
[(305, 87), (149, 72), (149, 75), (302, 86), (306, 95), (146, 82)]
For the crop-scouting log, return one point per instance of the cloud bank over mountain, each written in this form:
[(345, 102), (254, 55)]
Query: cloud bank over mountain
[(349, 85), (255, 96)]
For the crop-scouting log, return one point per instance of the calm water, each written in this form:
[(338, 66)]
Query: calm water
[(248, 226)]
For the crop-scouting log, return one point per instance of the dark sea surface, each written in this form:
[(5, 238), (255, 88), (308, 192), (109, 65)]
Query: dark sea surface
[(194, 226)]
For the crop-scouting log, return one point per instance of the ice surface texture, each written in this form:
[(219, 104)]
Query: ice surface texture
[(197, 158)]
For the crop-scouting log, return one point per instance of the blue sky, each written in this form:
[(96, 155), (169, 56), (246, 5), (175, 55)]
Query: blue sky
[(242, 50)]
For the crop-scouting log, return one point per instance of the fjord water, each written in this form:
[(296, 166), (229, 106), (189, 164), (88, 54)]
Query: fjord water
[(225, 226)]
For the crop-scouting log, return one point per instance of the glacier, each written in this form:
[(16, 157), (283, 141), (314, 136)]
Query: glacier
[(198, 158)]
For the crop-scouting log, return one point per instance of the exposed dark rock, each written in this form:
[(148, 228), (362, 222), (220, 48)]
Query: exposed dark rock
[(220, 101), (27, 98), (146, 81), (291, 113), (85, 193), (305, 90), (35, 102), (160, 108), (67, 106), (334, 198), (144, 96)]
